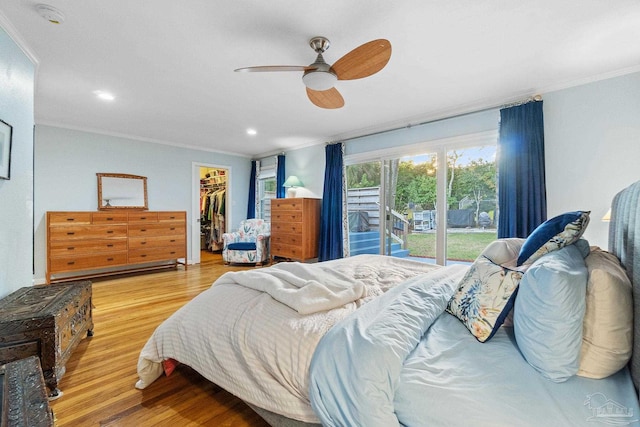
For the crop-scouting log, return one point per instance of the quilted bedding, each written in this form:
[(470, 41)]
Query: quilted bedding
[(259, 348)]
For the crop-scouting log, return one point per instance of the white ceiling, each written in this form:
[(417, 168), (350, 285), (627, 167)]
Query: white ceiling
[(170, 63)]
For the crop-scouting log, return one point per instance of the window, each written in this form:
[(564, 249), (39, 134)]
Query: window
[(266, 191)]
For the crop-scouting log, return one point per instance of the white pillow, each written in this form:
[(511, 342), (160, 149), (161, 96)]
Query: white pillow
[(503, 251), (607, 337)]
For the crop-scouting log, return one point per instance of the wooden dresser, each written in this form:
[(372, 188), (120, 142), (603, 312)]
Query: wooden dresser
[(295, 228), (47, 321), (90, 244)]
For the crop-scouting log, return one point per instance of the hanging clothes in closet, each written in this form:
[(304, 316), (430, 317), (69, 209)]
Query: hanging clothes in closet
[(212, 210), (215, 215)]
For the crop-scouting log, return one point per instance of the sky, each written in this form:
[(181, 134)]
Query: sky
[(488, 152)]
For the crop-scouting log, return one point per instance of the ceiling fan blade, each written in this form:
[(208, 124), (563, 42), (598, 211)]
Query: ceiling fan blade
[(269, 68), (364, 60), (329, 99)]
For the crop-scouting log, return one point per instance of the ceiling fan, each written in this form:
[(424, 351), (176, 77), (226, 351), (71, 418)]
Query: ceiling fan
[(320, 77)]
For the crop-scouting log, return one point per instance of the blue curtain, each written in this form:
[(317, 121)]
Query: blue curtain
[(281, 192), (331, 215), (251, 204), (522, 194)]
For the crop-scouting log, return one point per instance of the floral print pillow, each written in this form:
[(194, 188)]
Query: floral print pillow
[(485, 297)]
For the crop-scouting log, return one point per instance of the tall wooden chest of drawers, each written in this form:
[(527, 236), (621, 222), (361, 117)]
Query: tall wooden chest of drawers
[(89, 244), (295, 228), (47, 321)]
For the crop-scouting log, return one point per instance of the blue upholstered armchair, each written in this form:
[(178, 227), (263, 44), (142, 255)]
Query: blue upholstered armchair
[(248, 245)]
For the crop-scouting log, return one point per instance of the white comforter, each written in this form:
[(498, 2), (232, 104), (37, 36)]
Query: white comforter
[(258, 348)]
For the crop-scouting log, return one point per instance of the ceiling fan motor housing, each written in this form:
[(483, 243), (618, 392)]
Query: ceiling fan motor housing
[(320, 76)]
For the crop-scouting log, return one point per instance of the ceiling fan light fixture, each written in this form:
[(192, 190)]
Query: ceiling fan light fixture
[(319, 80)]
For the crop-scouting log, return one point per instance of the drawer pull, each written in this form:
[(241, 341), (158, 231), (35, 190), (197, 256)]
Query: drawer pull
[(109, 259), (70, 248), (71, 219), (70, 233), (172, 228), (172, 252), (143, 255), (110, 245), (143, 217), (71, 262), (109, 219), (172, 240), (143, 243), (109, 231), (143, 229)]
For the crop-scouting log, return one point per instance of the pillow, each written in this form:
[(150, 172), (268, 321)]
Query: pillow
[(502, 251), (549, 312), (553, 234), (607, 335), (484, 297)]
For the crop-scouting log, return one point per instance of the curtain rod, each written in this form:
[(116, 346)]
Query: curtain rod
[(532, 98)]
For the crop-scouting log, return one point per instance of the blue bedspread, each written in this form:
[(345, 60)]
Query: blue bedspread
[(400, 361), (356, 367)]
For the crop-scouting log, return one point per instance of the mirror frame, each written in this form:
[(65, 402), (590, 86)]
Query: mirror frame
[(108, 206)]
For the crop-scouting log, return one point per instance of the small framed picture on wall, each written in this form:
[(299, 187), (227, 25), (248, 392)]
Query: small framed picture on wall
[(5, 149)]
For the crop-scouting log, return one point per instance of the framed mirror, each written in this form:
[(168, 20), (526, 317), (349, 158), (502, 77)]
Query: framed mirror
[(122, 191)]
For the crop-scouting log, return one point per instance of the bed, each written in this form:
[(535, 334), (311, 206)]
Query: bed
[(379, 341)]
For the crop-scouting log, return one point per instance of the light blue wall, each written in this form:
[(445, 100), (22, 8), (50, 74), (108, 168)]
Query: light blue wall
[(17, 74), (66, 163), (592, 147), (448, 128)]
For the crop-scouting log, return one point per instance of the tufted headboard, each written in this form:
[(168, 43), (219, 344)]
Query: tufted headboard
[(624, 242)]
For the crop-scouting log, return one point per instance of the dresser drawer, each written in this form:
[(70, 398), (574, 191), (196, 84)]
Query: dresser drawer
[(287, 239), (143, 216), (85, 262), (59, 218), (156, 242), (172, 216), (109, 217), (155, 254), (80, 247), (87, 232), (157, 229), (286, 216), (287, 204), (286, 227), (286, 251)]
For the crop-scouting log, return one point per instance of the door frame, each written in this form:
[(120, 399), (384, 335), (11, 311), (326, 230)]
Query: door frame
[(195, 205)]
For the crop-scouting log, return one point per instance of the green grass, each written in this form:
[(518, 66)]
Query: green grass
[(461, 246)]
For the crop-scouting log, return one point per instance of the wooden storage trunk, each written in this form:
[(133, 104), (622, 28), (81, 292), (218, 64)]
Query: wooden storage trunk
[(47, 321), (24, 395)]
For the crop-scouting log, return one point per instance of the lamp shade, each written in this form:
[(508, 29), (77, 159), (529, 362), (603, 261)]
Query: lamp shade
[(607, 216), (293, 181)]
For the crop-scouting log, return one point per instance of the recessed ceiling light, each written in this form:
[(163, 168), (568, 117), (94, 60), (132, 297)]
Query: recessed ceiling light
[(105, 96), (251, 132)]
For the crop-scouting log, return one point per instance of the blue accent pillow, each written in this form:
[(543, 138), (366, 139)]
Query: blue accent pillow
[(242, 246), (549, 312), (553, 234)]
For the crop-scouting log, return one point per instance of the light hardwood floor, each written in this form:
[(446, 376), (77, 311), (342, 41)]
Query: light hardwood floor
[(98, 386)]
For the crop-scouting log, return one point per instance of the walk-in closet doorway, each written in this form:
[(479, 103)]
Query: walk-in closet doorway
[(210, 208)]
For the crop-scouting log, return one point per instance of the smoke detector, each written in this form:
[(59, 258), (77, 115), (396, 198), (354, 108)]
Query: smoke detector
[(50, 13)]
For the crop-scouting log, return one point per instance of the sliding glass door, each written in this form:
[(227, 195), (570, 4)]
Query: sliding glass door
[(472, 202), (391, 206), (410, 206)]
